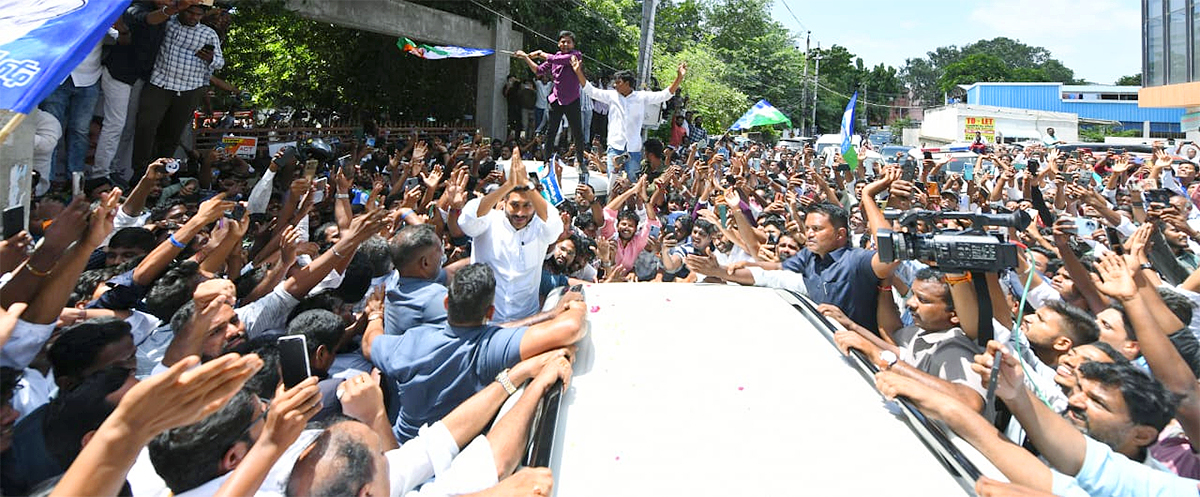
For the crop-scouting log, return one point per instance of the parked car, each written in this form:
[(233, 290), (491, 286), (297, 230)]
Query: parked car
[(686, 389)]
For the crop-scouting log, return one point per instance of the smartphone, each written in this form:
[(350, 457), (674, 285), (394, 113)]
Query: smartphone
[(1114, 240), (968, 172), (14, 220), (1075, 154), (293, 359), (370, 141), (237, 213), (1157, 196), (909, 170), (77, 183), (723, 213), (1083, 180), (310, 168), (654, 231), (210, 47), (928, 155), (1085, 226), (932, 189), (289, 155), (533, 179), (319, 192), (411, 183)]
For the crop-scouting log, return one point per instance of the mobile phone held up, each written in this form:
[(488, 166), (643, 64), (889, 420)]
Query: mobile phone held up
[(293, 359)]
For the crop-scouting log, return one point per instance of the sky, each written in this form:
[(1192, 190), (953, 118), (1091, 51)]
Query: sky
[(1099, 39)]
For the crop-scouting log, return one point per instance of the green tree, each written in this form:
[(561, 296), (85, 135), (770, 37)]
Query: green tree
[(706, 86), (1130, 80), (971, 69)]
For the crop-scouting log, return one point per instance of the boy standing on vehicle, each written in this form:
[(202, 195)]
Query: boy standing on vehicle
[(564, 96)]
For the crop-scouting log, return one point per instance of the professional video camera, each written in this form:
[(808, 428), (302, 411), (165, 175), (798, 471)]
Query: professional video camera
[(973, 249)]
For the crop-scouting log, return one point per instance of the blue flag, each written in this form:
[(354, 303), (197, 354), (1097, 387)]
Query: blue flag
[(849, 154), (42, 42), (550, 190)]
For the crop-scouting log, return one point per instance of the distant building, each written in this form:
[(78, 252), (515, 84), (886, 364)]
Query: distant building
[(1171, 59), (956, 123), (1094, 104)]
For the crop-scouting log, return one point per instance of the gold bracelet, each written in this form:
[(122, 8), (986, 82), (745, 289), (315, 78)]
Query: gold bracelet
[(39, 274)]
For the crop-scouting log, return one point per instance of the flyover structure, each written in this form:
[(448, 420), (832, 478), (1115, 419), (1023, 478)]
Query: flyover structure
[(425, 24)]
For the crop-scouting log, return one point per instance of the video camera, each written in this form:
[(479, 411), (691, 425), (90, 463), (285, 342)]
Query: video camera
[(974, 249)]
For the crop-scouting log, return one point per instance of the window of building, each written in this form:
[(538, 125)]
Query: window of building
[(1155, 44), (1178, 41)]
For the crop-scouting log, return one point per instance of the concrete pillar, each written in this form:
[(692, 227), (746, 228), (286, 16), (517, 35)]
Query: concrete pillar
[(1145, 129), (491, 109), (16, 152)]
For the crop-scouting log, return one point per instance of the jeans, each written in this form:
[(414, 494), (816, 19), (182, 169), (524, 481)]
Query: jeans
[(571, 111), (72, 106), (586, 121), (539, 120), (120, 109), (633, 166), (162, 115)]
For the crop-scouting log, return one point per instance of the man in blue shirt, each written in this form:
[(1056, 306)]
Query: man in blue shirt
[(434, 368), (834, 272), (417, 296)]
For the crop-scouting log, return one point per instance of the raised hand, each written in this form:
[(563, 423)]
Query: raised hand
[(291, 409), (362, 398), (1010, 381), (1116, 278), (517, 175), (184, 394), (212, 209), (68, 225), (100, 224), (434, 177)]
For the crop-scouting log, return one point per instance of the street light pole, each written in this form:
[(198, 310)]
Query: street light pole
[(646, 45), (804, 88), (816, 76)]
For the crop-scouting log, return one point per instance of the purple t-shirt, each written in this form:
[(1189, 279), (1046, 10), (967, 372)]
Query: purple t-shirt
[(566, 83)]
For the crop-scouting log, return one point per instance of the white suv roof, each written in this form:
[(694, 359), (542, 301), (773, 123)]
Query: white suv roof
[(722, 390)]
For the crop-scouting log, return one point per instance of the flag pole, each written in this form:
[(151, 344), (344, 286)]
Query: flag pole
[(10, 126)]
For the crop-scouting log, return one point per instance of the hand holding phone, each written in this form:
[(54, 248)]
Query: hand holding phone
[(293, 359)]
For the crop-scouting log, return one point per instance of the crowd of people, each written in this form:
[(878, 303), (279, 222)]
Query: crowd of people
[(141, 326)]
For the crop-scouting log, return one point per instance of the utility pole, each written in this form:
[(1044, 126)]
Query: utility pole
[(804, 88), (646, 45), (816, 76)]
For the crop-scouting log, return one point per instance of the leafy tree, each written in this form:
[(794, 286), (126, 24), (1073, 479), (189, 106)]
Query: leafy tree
[(1130, 80), (973, 68), (706, 86), (927, 77)]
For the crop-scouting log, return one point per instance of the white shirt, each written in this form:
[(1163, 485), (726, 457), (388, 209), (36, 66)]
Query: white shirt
[(625, 114), (543, 91), (87, 73), (779, 278), (26, 341), (516, 256), (33, 390)]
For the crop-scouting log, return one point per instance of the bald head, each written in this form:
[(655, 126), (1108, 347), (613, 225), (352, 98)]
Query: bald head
[(345, 460)]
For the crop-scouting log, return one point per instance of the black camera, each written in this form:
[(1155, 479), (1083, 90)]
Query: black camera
[(953, 250)]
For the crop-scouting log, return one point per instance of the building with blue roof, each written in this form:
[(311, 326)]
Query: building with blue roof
[(1094, 104)]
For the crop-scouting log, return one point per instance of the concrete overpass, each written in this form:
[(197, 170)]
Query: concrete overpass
[(424, 24)]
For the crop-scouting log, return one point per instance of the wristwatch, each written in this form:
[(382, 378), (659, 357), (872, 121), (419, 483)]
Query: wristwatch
[(506, 382), (889, 358)]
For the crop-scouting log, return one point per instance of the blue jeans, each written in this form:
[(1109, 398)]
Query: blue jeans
[(73, 107), (539, 120), (633, 166)]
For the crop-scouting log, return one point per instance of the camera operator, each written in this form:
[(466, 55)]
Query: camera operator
[(832, 271)]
